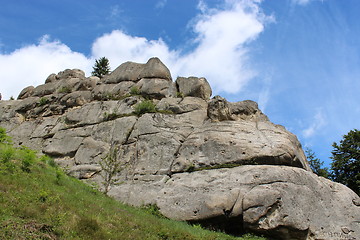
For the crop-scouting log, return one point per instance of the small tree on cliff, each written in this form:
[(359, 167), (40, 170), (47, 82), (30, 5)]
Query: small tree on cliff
[(111, 166), (316, 164), (346, 161), (101, 67)]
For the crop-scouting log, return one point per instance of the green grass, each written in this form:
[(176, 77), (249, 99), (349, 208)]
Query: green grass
[(38, 201)]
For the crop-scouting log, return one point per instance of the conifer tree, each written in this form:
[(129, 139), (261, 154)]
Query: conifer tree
[(316, 164), (101, 67), (346, 161)]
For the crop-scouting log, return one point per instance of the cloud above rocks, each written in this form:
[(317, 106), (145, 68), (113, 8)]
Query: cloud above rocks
[(303, 2), (219, 51), (31, 64), (316, 124)]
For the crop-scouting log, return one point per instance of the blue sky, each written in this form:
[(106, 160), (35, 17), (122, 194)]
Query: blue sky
[(299, 59)]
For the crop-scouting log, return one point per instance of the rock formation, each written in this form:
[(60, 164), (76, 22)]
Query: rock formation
[(198, 159)]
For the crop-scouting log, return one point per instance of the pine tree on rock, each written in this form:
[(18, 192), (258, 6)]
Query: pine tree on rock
[(346, 161), (101, 67), (316, 164)]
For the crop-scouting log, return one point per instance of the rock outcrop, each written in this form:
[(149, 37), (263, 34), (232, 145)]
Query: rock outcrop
[(201, 160)]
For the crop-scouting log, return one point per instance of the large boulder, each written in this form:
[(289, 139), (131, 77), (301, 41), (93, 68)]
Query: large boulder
[(131, 71), (156, 87), (194, 87), (71, 73), (219, 109), (26, 92), (154, 68), (287, 202)]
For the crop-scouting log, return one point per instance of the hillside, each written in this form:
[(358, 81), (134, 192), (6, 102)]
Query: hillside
[(39, 201)]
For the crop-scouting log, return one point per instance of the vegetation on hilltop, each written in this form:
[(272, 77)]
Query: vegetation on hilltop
[(101, 67), (39, 201)]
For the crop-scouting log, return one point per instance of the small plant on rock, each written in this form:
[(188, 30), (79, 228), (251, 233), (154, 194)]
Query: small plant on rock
[(64, 90), (146, 106), (43, 101), (111, 166), (134, 91), (110, 116)]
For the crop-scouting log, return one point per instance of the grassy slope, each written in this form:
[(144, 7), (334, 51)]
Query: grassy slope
[(38, 201)]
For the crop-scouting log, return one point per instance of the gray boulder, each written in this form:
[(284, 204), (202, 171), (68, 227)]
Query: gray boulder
[(287, 202), (131, 71), (128, 71), (154, 68), (71, 73), (77, 98), (26, 92), (219, 109), (155, 87), (51, 78), (194, 87), (112, 91), (45, 89), (182, 105)]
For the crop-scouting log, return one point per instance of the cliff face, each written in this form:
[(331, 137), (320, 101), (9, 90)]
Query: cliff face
[(198, 159)]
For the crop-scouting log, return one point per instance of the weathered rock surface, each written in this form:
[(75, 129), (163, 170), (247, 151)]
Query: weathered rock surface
[(194, 87), (198, 159), (131, 71)]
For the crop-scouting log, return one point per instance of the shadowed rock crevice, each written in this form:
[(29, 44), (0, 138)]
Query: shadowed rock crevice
[(230, 225), (222, 164)]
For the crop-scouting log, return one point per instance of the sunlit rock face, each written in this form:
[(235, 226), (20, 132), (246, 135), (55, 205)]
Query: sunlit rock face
[(210, 161)]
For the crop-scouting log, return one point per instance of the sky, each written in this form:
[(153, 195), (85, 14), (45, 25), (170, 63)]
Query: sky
[(299, 59)]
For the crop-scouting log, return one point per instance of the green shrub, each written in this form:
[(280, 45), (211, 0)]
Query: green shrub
[(7, 153), (43, 101), (153, 209), (134, 90), (64, 89), (110, 116), (48, 161), (111, 165), (146, 106), (27, 158), (4, 138)]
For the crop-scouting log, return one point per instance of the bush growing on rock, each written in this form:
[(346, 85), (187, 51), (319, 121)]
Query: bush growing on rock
[(146, 106), (110, 166), (43, 101)]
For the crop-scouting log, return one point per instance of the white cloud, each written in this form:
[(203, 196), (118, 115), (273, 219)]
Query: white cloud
[(303, 2), (221, 54), (317, 123), (220, 51), (161, 4), (31, 65), (119, 47)]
